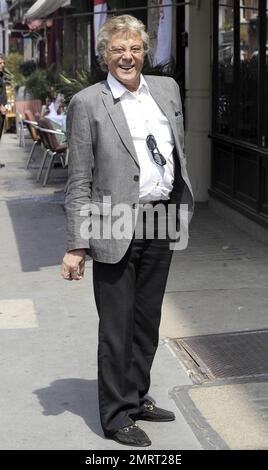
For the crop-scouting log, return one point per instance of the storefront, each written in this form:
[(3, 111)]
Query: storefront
[(240, 106), (220, 49)]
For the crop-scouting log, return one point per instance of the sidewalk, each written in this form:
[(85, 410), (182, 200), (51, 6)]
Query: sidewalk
[(48, 327)]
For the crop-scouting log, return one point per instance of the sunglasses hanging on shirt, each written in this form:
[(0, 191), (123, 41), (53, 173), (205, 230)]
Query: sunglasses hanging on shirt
[(152, 146)]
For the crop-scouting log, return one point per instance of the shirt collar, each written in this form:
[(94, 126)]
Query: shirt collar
[(118, 89)]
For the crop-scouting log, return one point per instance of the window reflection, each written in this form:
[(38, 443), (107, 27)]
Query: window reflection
[(225, 59), (249, 59)]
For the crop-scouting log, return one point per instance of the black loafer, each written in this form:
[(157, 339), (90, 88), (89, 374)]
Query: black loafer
[(132, 436), (150, 412)]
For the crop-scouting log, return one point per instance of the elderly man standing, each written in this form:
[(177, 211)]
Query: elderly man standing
[(125, 138), (3, 98)]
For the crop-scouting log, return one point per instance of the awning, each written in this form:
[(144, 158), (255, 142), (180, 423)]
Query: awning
[(43, 8)]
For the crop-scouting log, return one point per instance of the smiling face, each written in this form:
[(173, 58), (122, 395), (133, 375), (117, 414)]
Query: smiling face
[(125, 58)]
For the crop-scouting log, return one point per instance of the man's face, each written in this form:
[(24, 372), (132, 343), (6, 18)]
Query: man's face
[(125, 58), (2, 65)]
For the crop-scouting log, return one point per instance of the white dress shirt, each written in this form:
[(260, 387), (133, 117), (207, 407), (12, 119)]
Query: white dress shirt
[(144, 117)]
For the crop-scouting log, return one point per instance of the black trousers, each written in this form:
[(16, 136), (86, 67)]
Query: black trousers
[(2, 121), (129, 297)]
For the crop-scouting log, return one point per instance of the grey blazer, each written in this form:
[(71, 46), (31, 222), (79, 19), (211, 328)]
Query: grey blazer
[(103, 166)]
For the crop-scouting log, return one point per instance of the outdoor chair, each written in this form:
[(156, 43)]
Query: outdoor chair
[(32, 105), (20, 129), (52, 146), (32, 128)]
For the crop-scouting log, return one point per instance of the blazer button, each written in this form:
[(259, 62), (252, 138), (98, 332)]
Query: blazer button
[(136, 178)]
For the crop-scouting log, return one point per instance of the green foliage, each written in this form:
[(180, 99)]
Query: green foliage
[(69, 86), (28, 67), (41, 83), (13, 73), (37, 84), (14, 60)]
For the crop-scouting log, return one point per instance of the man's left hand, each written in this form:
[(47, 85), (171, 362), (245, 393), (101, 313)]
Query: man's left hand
[(73, 265)]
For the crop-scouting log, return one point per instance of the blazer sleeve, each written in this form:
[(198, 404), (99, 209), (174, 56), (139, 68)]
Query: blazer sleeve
[(80, 168)]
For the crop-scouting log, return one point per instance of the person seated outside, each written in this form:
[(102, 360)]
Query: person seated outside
[(56, 115), (57, 118), (46, 107)]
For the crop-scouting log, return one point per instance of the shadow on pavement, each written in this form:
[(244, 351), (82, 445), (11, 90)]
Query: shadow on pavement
[(39, 230), (78, 396)]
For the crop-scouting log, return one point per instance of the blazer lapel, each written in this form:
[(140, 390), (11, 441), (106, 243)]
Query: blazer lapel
[(116, 113), (164, 105)]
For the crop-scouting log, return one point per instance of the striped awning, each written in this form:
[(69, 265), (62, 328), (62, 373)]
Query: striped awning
[(43, 8)]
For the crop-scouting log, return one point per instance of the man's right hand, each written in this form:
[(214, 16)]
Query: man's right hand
[(73, 265)]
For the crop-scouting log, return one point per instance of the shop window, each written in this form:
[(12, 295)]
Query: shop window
[(248, 71), (240, 106), (240, 88), (225, 67)]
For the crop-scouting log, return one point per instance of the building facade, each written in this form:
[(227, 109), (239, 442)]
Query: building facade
[(220, 48), (239, 132), (4, 35)]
